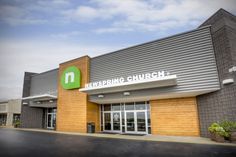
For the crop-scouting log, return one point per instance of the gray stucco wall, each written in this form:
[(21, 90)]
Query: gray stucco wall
[(44, 83), (30, 117), (27, 84), (220, 105), (189, 55)]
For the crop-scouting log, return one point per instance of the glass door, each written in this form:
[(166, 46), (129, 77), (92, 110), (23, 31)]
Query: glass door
[(130, 117), (107, 121), (54, 120), (51, 118), (116, 121), (130, 124), (141, 120), (112, 121), (136, 122), (49, 121)]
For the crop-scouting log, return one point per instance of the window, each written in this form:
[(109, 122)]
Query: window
[(115, 107), (107, 107), (16, 117), (139, 123), (140, 106), (129, 106)]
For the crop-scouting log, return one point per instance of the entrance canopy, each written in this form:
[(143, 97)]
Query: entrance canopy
[(170, 80), (43, 97), (44, 101)]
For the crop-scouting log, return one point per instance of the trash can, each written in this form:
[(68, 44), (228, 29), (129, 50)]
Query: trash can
[(91, 127)]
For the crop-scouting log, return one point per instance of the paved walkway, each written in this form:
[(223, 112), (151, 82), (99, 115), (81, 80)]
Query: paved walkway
[(160, 138)]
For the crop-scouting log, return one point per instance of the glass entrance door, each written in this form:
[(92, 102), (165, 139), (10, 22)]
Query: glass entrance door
[(107, 121), (51, 118), (136, 122), (141, 121), (130, 122), (112, 121), (130, 117), (116, 121)]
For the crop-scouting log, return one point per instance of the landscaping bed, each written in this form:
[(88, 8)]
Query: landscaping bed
[(224, 131)]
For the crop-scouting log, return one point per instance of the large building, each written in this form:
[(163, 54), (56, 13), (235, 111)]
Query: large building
[(177, 85), (10, 112)]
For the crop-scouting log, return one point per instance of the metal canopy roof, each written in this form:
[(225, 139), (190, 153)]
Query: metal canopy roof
[(170, 80), (42, 97)]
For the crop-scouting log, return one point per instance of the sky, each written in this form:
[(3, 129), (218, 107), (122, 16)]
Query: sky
[(37, 35)]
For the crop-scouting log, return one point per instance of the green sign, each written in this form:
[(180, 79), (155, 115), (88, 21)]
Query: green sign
[(71, 78)]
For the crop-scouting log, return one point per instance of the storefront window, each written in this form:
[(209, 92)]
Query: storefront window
[(129, 106), (101, 113), (122, 107), (149, 122), (140, 106), (116, 107), (148, 106), (3, 119), (123, 118), (16, 117), (132, 117), (52, 110), (107, 107)]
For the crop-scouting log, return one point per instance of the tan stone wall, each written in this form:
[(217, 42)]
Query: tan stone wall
[(72, 104), (177, 116)]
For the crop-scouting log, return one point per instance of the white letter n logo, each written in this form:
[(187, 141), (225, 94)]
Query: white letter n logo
[(71, 76)]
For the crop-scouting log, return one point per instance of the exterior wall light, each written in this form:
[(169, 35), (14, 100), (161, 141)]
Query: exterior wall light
[(50, 100), (233, 69), (25, 103), (38, 102), (126, 93), (228, 81), (100, 96)]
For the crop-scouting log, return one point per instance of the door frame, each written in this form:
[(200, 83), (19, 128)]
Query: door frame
[(135, 122), (111, 121), (52, 114), (146, 122)]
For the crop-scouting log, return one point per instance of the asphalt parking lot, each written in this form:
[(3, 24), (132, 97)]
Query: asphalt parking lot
[(38, 144)]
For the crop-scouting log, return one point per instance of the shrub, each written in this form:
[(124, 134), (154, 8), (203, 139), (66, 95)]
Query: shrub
[(17, 124), (228, 126), (216, 128)]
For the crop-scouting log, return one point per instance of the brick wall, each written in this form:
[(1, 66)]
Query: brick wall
[(93, 115), (177, 116), (220, 105), (74, 110)]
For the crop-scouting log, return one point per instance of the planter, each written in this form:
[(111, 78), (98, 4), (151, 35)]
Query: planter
[(212, 136), (216, 137), (219, 138), (233, 136)]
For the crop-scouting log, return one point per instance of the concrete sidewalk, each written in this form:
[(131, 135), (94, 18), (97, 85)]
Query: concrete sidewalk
[(160, 138)]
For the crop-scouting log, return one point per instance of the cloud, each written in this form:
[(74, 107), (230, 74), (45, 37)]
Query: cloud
[(27, 12), (115, 15), (81, 13), (17, 56), (14, 15), (66, 35), (112, 30), (147, 15)]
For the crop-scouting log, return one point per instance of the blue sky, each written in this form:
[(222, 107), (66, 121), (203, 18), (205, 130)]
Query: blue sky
[(37, 35)]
